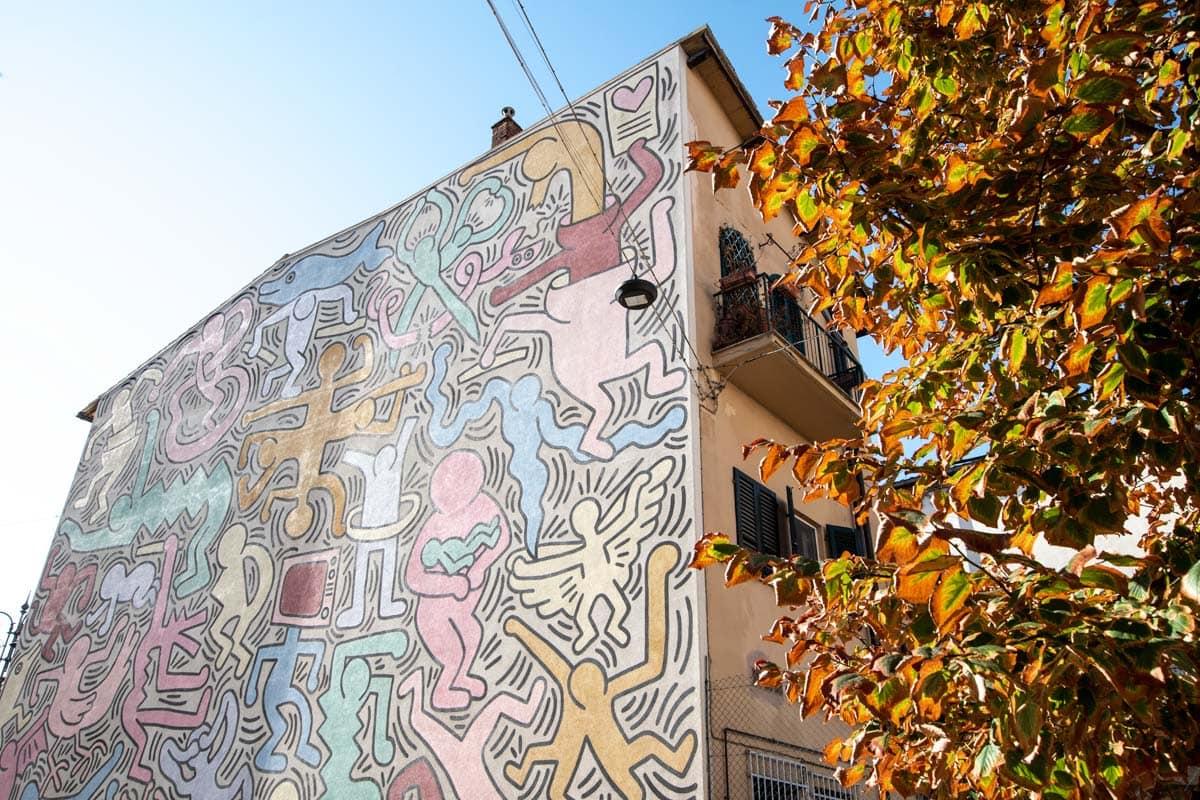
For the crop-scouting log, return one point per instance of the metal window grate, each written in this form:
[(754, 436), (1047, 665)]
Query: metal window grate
[(736, 253), (774, 777)]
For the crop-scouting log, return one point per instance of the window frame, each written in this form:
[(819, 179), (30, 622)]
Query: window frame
[(750, 532), (795, 518)]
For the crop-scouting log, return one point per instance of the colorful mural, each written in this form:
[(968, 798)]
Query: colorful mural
[(404, 519)]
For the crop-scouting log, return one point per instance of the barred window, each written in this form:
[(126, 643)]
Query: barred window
[(736, 254), (776, 777)]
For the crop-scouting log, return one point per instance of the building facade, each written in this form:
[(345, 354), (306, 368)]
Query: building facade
[(410, 515)]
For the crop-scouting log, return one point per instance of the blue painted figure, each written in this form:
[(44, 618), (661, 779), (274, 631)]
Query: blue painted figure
[(312, 280), (279, 692), (527, 423), (193, 767)]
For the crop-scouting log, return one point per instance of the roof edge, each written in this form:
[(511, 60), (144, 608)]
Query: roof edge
[(700, 45)]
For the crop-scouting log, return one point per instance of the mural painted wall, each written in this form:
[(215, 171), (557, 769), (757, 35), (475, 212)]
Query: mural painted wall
[(405, 519)]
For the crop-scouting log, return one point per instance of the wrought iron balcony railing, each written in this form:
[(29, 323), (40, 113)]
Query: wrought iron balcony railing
[(750, 308)]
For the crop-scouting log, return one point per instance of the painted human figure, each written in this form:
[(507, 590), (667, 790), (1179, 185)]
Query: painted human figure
[(528, 424), (591, 244), (589, 697), (192, 767), (299, 292), (279, 692), (466, 768), (304, 443), (379, 525), (351, 684), (468, 531), (20, 751), (68, 593), (204, 494), (95, 782), (427, 254), (214, 380), (168, 636), (416, 781), (239, 605), (385, 300), (542, 155), (574, 577), (74, 708), (587, 328), (135, 586), (115, 453)]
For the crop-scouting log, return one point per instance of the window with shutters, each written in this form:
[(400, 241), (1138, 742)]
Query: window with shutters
[(756, 515), (844, 539), (803, 534)]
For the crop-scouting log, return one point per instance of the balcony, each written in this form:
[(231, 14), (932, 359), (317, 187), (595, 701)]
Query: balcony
[(770, 348)]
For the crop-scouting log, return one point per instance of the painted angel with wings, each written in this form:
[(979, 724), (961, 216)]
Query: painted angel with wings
[(572, 577)]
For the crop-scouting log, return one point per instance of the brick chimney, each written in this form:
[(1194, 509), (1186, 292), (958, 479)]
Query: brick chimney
[(506, 128)]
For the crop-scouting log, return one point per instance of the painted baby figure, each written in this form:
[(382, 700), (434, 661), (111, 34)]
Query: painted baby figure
[(447, 569)]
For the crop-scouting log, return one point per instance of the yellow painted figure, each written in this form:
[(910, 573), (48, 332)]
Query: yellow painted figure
[(589, 697), (304, 443)]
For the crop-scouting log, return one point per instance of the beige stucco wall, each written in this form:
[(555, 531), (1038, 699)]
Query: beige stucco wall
[(736, 618)]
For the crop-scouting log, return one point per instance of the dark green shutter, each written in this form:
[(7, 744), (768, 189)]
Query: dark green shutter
[(756, 514), (842, 539)]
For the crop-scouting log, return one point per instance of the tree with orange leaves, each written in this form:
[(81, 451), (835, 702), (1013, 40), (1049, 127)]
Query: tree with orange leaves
[(1006, 194)]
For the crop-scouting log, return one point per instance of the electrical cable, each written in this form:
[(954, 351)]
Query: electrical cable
[(622, 214), (537, 89), (520, 5), (701, 367), (567, 99)]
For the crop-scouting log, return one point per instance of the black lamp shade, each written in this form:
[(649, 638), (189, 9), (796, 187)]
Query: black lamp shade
[(636, 293)]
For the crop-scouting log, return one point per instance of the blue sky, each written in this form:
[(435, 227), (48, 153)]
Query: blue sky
[(155, 158)]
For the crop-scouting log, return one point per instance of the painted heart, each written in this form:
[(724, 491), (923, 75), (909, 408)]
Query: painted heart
[(627, 99)]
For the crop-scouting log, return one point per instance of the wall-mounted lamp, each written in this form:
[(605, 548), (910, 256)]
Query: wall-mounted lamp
[(636, 294)]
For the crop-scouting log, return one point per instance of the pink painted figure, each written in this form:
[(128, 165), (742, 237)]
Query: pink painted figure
[(593, 244), (19, 752), (463, 756), (447, 568), (67, 594), (166, 633), (211, 346), (73, 708), (587, 328)]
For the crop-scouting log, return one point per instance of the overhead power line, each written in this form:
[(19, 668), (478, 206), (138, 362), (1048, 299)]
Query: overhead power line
[(622, 214)]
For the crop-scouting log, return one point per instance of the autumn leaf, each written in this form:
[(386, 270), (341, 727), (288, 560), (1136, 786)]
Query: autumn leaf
[(1003, 195), (780, 38), (898, 545), (949, 598), (1060, 286), (986, 760), (702, 156), (1093, 304), (1189, 587), (1104, 89), (1085, 121), (713, 548)]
